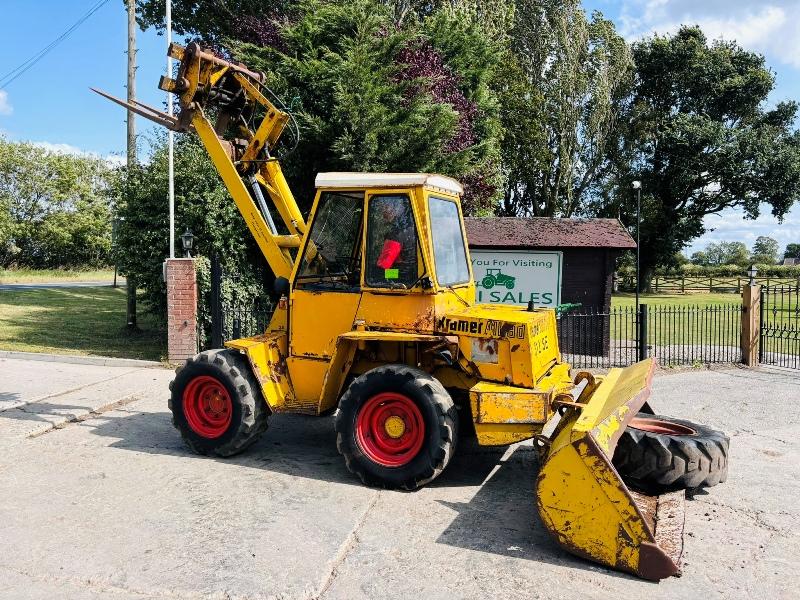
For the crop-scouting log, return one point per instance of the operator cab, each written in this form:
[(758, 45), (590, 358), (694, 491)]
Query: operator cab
[(384, 252), (384, 231)]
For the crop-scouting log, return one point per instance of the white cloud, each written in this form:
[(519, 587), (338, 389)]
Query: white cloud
[(115, 160), (771, 27), (731, 226), (5, 105), (60, 148)]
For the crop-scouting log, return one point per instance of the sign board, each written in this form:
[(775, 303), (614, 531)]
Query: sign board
[(517, 276)]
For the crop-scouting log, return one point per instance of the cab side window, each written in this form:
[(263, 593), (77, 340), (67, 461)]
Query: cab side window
[(391, 242)]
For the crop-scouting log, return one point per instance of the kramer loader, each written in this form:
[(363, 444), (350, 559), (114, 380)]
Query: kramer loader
[(377, 322)]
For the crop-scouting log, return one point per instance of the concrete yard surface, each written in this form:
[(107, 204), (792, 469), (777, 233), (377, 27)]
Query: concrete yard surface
[(99, 498)]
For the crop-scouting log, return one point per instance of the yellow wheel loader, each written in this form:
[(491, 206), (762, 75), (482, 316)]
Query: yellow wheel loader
[(377, 323)]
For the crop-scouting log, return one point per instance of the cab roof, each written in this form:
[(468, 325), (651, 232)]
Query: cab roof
[(387, 180)]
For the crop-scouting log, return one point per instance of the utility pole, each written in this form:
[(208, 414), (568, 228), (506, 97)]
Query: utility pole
[(131, 282)]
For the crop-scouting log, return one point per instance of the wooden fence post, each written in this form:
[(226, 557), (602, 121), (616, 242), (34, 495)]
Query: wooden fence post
[(751, 324)]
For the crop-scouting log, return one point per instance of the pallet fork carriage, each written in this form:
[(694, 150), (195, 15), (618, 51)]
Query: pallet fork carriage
[(378, 323)]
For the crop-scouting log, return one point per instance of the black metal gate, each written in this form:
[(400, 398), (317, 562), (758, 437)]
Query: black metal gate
[(227, 316), (779, 337)]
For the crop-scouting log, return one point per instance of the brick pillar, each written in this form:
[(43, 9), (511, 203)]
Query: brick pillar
[(751, 324), (181, 309)]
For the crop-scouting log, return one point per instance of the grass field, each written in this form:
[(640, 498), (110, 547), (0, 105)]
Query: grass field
[(703, 300), (688, 319), (88, 321), (51, 275)]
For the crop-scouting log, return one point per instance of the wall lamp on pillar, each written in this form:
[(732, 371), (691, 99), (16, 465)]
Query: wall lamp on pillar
[(187, 239), (752, 272)]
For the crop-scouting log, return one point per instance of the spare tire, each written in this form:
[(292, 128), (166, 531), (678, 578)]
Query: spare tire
[(657, 454)]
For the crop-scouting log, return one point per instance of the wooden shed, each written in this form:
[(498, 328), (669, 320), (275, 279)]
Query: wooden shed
[(590, 248)]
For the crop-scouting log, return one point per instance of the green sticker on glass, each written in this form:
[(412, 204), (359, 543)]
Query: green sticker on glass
[(391, 274)]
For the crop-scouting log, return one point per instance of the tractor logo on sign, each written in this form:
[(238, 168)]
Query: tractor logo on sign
[(495, 277)]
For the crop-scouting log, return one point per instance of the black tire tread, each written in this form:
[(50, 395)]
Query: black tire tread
[(254, 422), (656, 462), (448, 424)]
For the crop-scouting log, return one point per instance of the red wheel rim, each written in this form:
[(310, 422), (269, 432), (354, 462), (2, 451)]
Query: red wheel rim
[(207, 406), (659, 426), (390, 429)]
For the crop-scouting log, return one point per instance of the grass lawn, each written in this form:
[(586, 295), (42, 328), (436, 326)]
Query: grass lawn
[(50, 275), (89, 321), (681, 319)]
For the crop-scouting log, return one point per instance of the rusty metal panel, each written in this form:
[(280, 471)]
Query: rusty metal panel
[(267, 356), (527, 342), (497, 403), (583, 501)]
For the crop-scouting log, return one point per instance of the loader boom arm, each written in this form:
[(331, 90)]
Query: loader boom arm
[(241, 152)]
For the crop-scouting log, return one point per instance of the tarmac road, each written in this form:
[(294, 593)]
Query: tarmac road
[(100, 499)]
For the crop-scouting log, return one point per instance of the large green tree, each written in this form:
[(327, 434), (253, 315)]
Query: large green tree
[(722, 253), (765, 250), (701, 137), (55, 209), (202, 206), (563, 86), (792, 251), (213, 20)]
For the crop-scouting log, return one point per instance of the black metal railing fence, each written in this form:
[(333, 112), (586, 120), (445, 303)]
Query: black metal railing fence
[(588, 337), (675, 335)]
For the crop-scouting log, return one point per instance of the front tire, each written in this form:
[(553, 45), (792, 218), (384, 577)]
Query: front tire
[(397, 427), (216, 403)]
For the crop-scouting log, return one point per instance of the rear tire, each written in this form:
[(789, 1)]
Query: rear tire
[(682, 455), (397, 427), (216, 403)]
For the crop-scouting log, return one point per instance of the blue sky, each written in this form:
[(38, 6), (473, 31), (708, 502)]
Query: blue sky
[(51, 104)]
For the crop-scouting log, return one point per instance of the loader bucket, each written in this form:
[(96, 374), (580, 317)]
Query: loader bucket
[(582, 500)]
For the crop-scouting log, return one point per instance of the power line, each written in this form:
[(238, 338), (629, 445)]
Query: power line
[(9, 77)]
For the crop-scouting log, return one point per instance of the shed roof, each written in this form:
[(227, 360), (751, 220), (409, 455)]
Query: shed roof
[(543, 232)]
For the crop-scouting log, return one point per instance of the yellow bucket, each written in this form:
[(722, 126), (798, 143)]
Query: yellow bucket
[(583, 501)]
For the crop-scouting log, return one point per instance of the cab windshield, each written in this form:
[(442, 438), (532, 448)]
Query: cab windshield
[(449, 251), (332, 257)]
